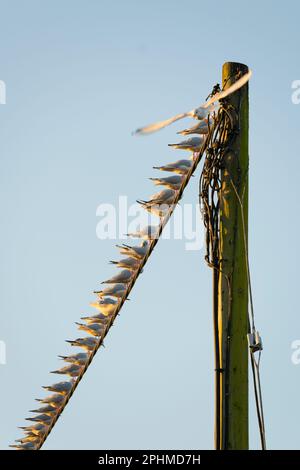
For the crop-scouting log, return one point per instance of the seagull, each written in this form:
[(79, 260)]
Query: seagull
[(79, 359), (160, 210), (87, 343), (95, 329), (181, 167), (25, 446), (28, 438), (166, 196), (171, 182), (36, 429), (159, 203), (202, 112), (106, 305), (48, 409), (147, 233), (72, 370), (42, 418), (128, 263), (55, 399), (123, 277), (100, 318), (61, 387), (137, 252), (115, 290), (199, 128), (193, 143)]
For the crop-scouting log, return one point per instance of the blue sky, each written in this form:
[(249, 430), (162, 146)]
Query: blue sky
[(80, 76)]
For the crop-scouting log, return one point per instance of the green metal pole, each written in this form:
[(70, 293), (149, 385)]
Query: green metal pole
[(232, 284)]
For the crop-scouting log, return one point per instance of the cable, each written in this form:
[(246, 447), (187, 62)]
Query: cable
[(254, 365)]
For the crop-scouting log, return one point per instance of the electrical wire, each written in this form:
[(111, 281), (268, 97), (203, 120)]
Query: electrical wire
[(255, 365)]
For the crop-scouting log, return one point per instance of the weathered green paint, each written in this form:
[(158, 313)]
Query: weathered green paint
[(233, 301)]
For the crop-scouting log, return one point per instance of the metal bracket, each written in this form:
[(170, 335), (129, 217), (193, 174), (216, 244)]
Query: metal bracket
[(255, 341)]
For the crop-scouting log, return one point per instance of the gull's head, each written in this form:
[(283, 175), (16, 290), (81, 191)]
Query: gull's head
[(200, 113)]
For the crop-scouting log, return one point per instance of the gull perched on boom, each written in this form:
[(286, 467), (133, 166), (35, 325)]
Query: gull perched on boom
[(61, 387), (128, 263), (171, 182), (123, 277), (199, 128), (114, 290), (147, 233), (137, 252), (180, 167), (193, 144), (79, 358)]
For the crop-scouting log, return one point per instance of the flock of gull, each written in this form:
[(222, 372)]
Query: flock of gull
[(116, 289)]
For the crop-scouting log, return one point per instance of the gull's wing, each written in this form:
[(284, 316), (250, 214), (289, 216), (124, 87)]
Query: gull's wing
[(238, 84), (161, 124), (218, 96)]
